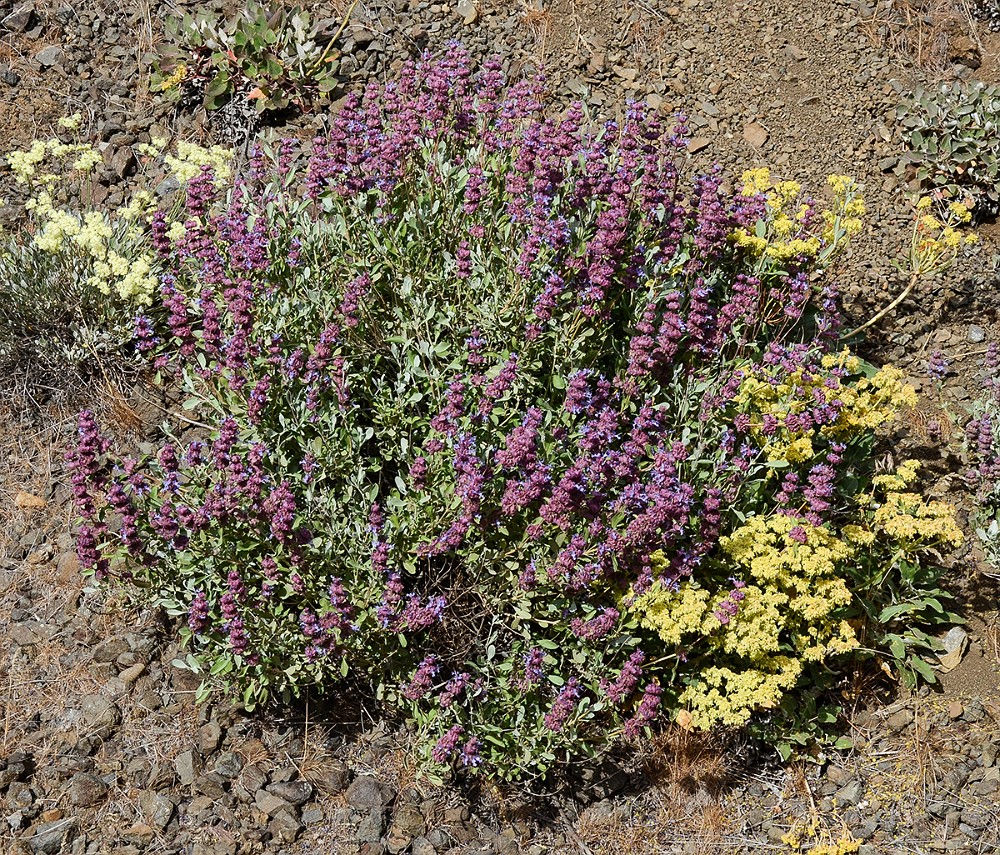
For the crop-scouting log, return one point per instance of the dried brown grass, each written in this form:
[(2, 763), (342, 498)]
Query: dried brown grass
[(920, 31), (689, 776)]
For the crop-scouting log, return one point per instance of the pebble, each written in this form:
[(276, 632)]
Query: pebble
[(49, 56), (755, 134), (87, 790)]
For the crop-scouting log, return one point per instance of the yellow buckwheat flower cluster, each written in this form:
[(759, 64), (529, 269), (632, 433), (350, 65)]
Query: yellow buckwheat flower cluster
[(775, 400), (905, 518), (131, 278), (190, 158), (935, 241), (24, 164), (786, 617), (843, 218), (788, 230)]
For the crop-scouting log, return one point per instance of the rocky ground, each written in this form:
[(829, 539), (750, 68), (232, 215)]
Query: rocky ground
[(102, 747)]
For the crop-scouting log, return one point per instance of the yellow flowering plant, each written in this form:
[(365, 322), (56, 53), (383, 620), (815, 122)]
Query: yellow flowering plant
[(827, 563), (72, 280)]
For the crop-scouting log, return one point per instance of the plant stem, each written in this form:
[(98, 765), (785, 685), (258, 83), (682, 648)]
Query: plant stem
[(874, 319)]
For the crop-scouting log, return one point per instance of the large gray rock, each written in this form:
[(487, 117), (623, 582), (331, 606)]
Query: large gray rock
[(367, 792)]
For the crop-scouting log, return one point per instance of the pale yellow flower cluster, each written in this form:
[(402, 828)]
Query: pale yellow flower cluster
[(190, 158), (24, 164), (131, 278), (785, 618), (936, 241)]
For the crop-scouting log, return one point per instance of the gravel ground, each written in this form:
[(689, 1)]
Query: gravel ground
[(103, 749)]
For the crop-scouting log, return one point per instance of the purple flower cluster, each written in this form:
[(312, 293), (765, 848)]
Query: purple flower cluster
[(447, 745), (198, 614), (422, 680), (647, 710), (619, 690), (563, 706), (729, 605)]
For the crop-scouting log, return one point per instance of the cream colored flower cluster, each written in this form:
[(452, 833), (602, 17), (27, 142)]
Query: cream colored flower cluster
[(131, 277), (190, 158)]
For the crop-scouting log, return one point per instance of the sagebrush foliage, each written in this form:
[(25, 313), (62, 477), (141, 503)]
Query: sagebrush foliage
[(478, 382)]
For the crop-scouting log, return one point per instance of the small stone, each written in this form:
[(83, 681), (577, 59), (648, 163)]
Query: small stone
[(755, 134), (200, 805), (229, 764), (9, 76), (100, 712), (969, 831), (296, 792), (955, 710), (122, 163), (838, 775), (408, 822), (310, 816), (372, 827), (850, 794), (21, 19), (334, 778), (696, 144), (140, 833), (27, 633), (900, 720), (86, 790), (156, 809), (49, 56), (211, 784), (110, 650), (368, 792), (467, 11), (28, 501), (285, 827), (976, 334), (422, 846), (974, 711), (167, 187), (186, 765), (269, 803), (209, 737), (132, 673), (51, 838), (253, 778)]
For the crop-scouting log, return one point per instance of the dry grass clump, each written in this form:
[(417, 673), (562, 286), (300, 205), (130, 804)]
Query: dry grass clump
[(922, 31), (687, 777)]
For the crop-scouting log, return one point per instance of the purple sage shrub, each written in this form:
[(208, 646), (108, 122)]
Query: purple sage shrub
[(467, 366)]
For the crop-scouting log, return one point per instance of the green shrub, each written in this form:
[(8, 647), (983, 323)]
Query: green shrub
[(952, 137), (486, 392), (272, 56)]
